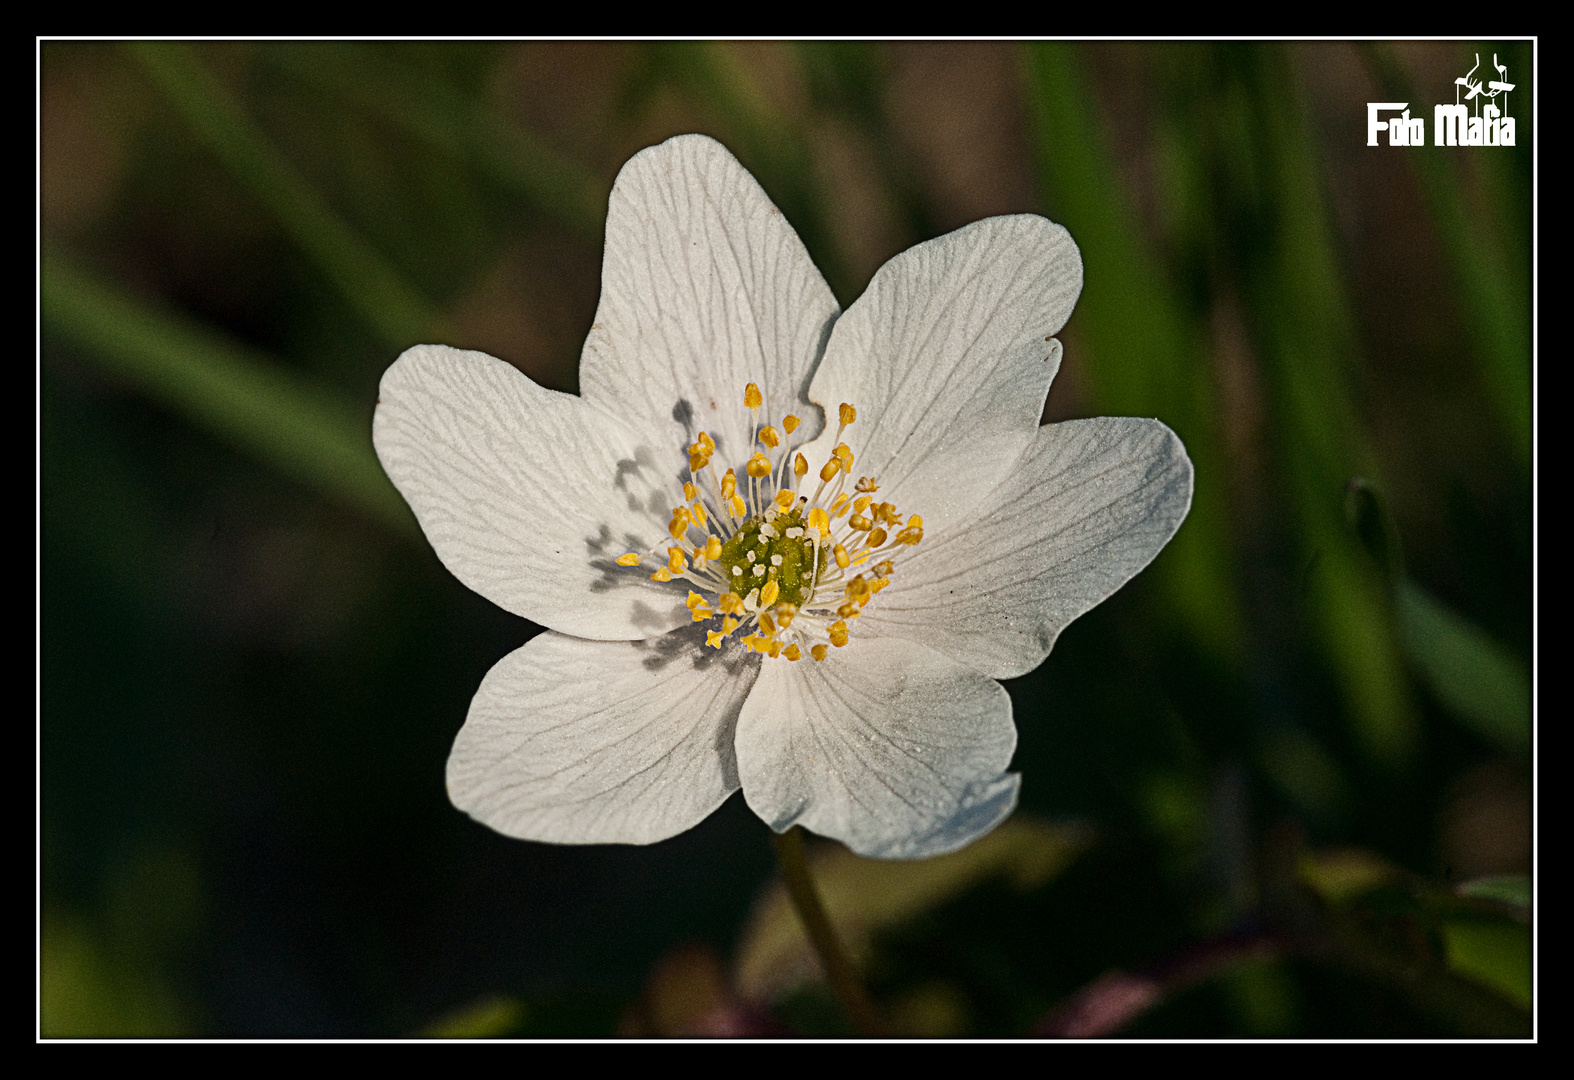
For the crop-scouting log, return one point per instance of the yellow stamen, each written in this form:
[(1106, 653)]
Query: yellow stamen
[(861, 504), (776, 649), (791, 423), (818, 652), (697, 461), (662, 575), (877, 538), (766, 624), (739, 508), (729, 624), (879, 583), (785, 613), (679, 523), (838, 632), (848, 610), (883, 568), (690, 492), (915, 522), (769, 594), (839, 505), (708, 442), (770, 436), (830, 469), (840, 554), (700, 516), (675, 560), (713, 638), (631, 559), (818, 519), (847, 413), (713, 548), (800, 466), (909, 536), (859, 523), (759, 466), (752, 396), (729, 484), (694, 600), (792, 652), (784, 498), (700, 614), (866, 483), (729, 603)]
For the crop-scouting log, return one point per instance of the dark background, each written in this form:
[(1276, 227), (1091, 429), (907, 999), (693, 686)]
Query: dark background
[(252, 664)]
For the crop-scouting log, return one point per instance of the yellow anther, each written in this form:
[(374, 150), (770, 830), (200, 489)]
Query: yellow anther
[(878, 583), (791, 423), (877, 537), (729, 624), (759, 466), (694, 600), (708, 442), (883, 568), (785, 613), (679, 523), (857, 587), (818, 519), (839, 505), (866, 483), (713, 638), (675, 560), (754, 641), (697, 461), (776, 649), (713, 548), (739, 508), (848, 610), (830, 469), (690, 492), (770, 436), (859, 523), (752, 396), (662, 575), (700, 614), (766, 624), (818, 652), (838, 632), (784, 498), (768, 595), (861, 504), (729, 603), (840, 553), (729, 484), (909, 536), (792, 652), (800, 466), (847, 413), (700, 516), (915, 522), (631, 559)]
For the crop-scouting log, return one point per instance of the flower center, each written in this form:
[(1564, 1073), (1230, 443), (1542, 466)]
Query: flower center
[(790, 561)]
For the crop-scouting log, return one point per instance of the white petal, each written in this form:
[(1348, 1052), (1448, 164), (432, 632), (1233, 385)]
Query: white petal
[(948, 358), (704, 289), (1087, 507), (528, 495), (894, 750), (594, 742)]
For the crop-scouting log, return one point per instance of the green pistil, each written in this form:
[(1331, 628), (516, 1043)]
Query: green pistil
[(796, 571)]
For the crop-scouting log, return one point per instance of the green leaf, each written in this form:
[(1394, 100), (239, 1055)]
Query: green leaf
[(1510, 889), (1493, 952), (1474, 677)]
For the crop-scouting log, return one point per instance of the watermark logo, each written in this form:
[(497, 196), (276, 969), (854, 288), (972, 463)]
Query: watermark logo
[(1477, 120)]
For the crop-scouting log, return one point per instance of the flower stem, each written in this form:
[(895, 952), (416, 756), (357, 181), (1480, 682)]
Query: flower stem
[(866, 1020)]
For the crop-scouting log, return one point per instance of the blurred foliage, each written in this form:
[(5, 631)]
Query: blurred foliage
[(1297, 750)]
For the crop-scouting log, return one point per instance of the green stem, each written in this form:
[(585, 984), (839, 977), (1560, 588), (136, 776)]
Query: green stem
[(866, 1020)]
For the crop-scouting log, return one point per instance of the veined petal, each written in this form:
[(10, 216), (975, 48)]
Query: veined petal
[(1079, 515), (526, 494), (948, 357), (889, 747), (704, 289), (596, 742)]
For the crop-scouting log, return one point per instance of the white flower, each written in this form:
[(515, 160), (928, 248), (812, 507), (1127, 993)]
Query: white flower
[(830, 653)]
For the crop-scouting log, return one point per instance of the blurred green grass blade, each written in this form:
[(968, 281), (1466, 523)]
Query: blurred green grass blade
[(1478, 680), (299, 428), (1146, 358), (1493, 952), (1297, 298), (368, 282), (488, 1018), (553, 183), (1497, 308)]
